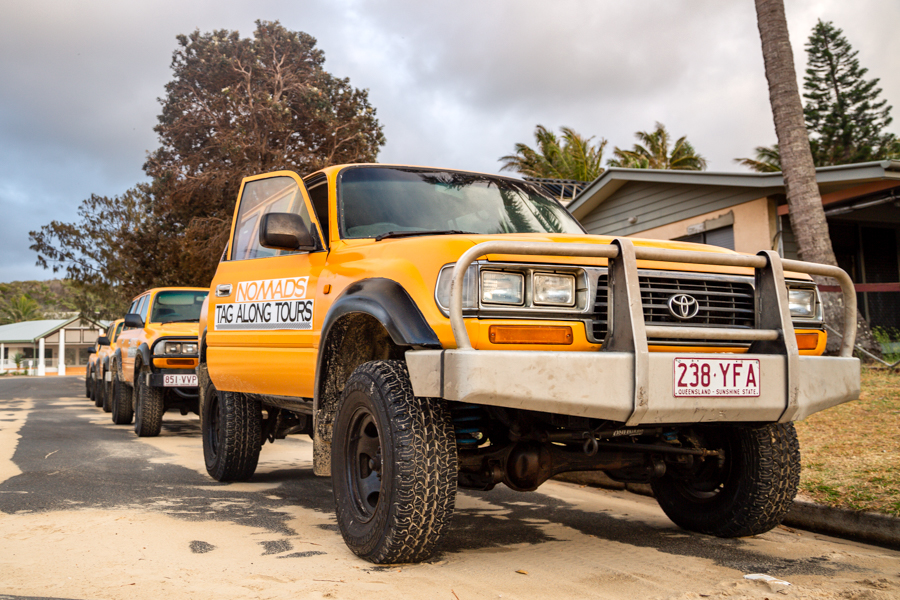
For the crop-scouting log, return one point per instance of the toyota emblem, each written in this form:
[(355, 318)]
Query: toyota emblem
[(683, 307)]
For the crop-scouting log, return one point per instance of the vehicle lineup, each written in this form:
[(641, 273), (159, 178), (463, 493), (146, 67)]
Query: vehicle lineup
[(435, 329), (98, 377), (152, 369)]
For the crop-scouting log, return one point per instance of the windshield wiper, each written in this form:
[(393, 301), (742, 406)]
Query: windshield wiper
[(183, 321), (395, 234)]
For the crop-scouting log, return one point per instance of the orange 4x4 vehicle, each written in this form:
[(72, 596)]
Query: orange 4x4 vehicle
[(154, 364), (98, 375), (434, 328)]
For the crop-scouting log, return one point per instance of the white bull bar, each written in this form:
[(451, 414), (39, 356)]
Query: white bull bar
[(625, 382)]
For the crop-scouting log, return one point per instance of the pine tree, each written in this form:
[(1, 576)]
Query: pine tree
[(844, 116)]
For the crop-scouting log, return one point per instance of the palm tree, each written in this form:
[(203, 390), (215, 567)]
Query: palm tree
[(655, 150), (768, 160), (804, 202), (571, 156), (21, 308)]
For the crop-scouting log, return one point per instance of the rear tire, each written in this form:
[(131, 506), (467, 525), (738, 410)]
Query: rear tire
[(394, 466), (121, 405), (148, 409), (99, 390), (231, 427), (87, 386), (746, 493)]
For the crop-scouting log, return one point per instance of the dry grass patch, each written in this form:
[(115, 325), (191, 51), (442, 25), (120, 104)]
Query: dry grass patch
[(851, 453)]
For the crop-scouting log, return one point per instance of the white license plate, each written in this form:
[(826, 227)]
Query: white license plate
[(717, 377), (180, 380)]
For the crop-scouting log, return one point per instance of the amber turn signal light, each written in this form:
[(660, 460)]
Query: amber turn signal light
[(807, 341), (530, 334)]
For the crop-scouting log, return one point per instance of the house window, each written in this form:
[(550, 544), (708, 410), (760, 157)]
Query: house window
[(723, 237)]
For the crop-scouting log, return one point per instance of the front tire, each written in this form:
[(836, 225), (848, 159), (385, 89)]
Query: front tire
[(232, 435), (121, 402), (394, 466), (148, 409), (747, 492)]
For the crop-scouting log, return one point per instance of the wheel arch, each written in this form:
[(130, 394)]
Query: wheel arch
[(373, 319)]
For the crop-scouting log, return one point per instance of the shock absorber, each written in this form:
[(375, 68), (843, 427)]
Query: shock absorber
[(469, 424)]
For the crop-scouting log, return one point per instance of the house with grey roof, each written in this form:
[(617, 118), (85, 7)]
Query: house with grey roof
[(43, 343), (748, 212)]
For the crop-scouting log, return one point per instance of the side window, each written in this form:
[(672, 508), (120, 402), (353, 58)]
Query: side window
[(142, 307), (117, 332), (260, 197), (317, 187)]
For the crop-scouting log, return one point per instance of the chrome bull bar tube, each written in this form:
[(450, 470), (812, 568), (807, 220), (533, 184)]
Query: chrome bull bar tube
[(612, 251)]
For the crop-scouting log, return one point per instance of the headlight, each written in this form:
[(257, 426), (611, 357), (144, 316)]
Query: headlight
[(442, 290), (498, 287), (556, 290), (179, 348), (802, 303)]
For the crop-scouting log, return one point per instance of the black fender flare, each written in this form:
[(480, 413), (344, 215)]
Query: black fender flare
[(146, 359), (118, 361), (389, 303)]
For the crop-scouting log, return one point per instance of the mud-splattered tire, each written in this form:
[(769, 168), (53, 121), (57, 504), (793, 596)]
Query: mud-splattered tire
[(393, 467), (149, 406), (231, 426), (746, 493), (119, 401), (88, 391)]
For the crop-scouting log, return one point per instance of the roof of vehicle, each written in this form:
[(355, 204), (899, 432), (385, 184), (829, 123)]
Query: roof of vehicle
[(171, 289)]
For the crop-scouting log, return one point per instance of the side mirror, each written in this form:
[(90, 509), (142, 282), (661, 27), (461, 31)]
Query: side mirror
[(134, 320), (284, 231), (102, 341)]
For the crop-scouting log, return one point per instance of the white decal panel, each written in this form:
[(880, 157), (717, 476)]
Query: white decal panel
[(266, 305)]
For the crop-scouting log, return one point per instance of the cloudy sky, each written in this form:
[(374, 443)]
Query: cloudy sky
[(455, 84)]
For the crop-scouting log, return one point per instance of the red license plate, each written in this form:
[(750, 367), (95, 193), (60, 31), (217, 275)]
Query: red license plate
[(717, 377)]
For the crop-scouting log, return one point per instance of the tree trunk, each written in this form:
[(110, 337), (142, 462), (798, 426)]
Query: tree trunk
[(804, 202)]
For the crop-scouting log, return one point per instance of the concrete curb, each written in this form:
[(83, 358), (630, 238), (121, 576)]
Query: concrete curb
[(866, 527)]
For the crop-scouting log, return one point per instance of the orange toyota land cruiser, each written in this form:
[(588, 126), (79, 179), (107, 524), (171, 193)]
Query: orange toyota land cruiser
[(153, 368), (432, 328), (98, 365)]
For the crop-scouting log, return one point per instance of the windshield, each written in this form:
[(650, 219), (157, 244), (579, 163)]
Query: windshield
[(380, 200), (183, 306)]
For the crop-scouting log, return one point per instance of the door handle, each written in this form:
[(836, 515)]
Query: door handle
[(223, 290)]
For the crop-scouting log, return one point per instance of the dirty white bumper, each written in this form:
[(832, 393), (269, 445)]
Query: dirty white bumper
[(602, 385)]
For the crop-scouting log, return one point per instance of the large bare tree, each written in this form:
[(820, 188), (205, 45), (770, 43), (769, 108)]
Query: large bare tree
[(804, 202)]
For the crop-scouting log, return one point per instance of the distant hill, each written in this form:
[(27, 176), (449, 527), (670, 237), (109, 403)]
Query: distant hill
[(55, 297)]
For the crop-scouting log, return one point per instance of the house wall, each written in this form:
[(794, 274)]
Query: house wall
[(640, 206), (754, 225)]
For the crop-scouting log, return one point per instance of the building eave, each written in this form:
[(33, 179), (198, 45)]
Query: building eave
[(614, 178)]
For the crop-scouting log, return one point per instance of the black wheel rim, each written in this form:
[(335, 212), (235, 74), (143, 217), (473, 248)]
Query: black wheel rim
[(363, 463), (710, 478), (212, 432)]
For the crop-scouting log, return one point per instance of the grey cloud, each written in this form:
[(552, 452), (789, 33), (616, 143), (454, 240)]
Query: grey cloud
[(454, 83)]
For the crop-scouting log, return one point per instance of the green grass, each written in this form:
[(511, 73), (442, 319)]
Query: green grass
[(851, 453)]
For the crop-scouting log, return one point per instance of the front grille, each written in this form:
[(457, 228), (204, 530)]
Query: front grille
[(722, 304)]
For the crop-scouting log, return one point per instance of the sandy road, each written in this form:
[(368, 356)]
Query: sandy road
[(88, 510)]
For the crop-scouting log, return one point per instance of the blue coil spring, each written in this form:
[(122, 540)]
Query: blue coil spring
[(469, 424)]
